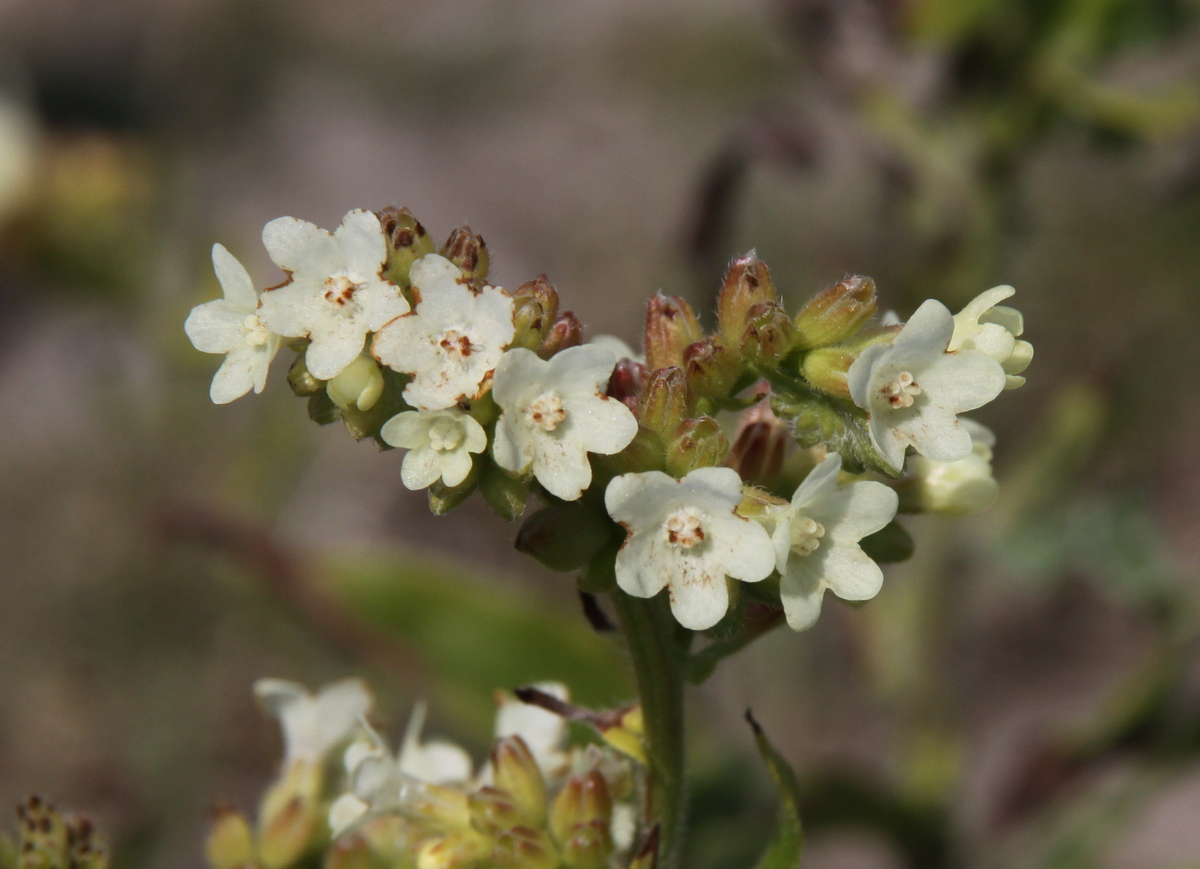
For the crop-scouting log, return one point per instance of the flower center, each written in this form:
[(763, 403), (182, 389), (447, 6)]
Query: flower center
[(339, 291), (901, 391), (456, 344), (445, 435), (806, 535), (256, 333), (547, 411), (685, 528)]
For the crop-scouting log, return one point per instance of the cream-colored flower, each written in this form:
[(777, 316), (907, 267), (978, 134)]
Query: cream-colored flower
[(231, 326), (685, 535), (555, 412), (957, 488), (439, 444), (336, 293), (451, 343), (314, 725), (994, 329)]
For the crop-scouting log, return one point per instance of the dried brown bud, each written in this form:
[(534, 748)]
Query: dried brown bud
[(407, 242), (468, 251), (628, 382), (747, 283), (566, 332)]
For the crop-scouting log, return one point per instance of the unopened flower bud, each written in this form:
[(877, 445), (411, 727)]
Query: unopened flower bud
[(524, 848), (760, 445), (826, 370), (836, 313), (628, 382), (535, 307), (583, 800), (437, 807), (290, 818), (566, 332), (443, 498), (230, 843), (461, 850), (541, 289), (301, 380), (515, 771), (671, 326), (504, 493), (698, 443), (407, 242), (358, 385), (589, 847), (468, 251), (712, 369), (769, 335), (747, 283), (646, 452), (564, 536), (351, 852), (493, 810), (665, 401)]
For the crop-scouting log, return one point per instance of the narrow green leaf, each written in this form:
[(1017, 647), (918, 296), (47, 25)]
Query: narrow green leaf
[(787, 844)]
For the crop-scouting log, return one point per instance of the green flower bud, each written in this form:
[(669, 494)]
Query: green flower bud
[(583, 800), (588, 847), (544, 292), (291, 816), (443, 498), (826, 370), (322, 410), (646, 452), (836, 313), (461, 850), (747, 283), (671, 326), (769, 335), (712, 369), (566, 332), (564, 536), (493, 810), (504, 493), (358, 385), (698, 443), (407, 242), (664, 402), (301, 380), (530, 322), (524, 848), (468, 251), (515, 771), (230, 843)]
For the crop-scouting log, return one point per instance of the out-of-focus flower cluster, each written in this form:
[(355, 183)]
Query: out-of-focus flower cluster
[(343, 794), (47, 839), (678, 469)]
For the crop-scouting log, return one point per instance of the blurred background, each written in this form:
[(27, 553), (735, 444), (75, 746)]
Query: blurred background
[(1025, 692)]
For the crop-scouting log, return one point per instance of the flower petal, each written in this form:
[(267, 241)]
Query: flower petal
[(421, 468), (407, 430), (849, 572), (302, 248), (603, 425), (852, 513), (363, 246), (699, 596), (216, 326), (235, 280), (801, 591), (963, 380)]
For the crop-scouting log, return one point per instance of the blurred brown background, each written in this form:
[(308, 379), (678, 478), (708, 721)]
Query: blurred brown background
[(1025, 692)]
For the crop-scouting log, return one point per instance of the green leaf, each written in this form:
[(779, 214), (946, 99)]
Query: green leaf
[(472, 633), (787, 843), (818, 418), (889, 544)]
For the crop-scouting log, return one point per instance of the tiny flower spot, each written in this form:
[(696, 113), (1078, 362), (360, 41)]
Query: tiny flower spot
[(685, 528), (456, 345), (902, 391), (547, 411)]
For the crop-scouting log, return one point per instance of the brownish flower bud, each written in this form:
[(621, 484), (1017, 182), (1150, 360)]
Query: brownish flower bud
[(747, 283), (712, 369), (628, 382), (407, 242), (468, 251), (698, 443), (769, 335), (566, 332), (836, 313), (665, 401), (535, 305), (671, 326), (760, 445)]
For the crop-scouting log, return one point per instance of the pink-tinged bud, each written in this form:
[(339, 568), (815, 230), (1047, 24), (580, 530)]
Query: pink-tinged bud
[(836, 313), (712, 369), (566, 332), (584, 799), (698, 443), (589, 847), (747, 283), (407, 242), (671, 325), (524, 848), (461, 850), (769, 335), (628, 382), (230, 843), (665, 401), (760, 445), (515, 771), (469, 252), (493, 810)]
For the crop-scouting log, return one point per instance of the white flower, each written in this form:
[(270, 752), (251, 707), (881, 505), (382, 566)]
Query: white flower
[(336, 292), (381, 782), (555, 412), (994, 329), (453, 340), (913, 388), (313, 726), (816, 541), (231, 326), (543, 732), (684, 534), (958, 488), (439, 444)]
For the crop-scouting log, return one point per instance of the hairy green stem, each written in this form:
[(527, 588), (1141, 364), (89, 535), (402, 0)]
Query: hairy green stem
[(650, 633)]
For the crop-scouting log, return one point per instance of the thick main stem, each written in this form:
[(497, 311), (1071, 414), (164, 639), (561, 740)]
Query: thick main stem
[(650, 633)]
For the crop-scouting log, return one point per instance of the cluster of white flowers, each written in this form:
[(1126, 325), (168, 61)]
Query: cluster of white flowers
[(473, 392)]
